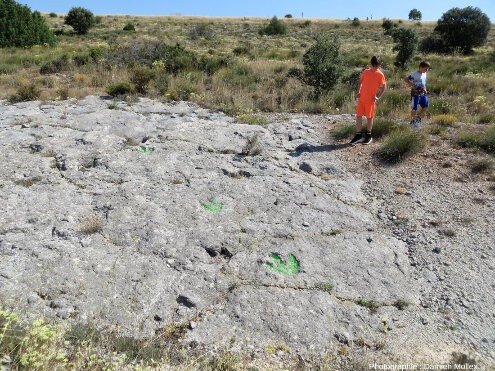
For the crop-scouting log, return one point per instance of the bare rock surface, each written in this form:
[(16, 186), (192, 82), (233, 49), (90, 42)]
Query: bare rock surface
[(153, 214)]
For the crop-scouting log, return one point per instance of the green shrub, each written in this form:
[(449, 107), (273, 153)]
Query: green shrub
[(295, 72), (19, 27), (406, 40), (55, 66), (356, 22), (239, 75), (432, 44), (141, 77), (275, 27), (387, 24), (120, 88), (305, 24), (96, 52), (323, 63), (464, 28), (53, 15), (252, 119), (80, 19), (400, 145), (81, 59), (243, 49), (177, 58), (26, 93), (288, 16), (212, 65), (129, 27), (185, 88), (201, 30)]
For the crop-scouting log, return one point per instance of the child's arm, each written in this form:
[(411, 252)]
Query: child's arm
[(409, 82), (382, 90), (358, 94)]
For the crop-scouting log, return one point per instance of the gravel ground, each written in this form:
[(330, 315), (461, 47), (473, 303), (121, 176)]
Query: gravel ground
[(444, 212)]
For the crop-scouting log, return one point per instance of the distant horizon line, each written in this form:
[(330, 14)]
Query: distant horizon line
[(245, 16)]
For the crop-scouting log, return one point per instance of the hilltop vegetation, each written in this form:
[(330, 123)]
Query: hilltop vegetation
[(224, 63)]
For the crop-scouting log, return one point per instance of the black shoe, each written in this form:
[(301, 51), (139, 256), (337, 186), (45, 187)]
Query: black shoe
[(358, 138), (367, 139)]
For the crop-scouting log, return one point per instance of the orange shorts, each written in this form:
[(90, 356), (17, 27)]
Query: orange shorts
[(366, 108)]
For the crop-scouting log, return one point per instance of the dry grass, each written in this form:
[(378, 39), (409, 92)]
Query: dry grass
[(90, 224), (268, 57)]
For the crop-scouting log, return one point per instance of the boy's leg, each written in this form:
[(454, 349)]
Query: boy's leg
[(422, 113), (424, 106), (358, 138), (413, 115), (370, 124), (367, 137), (359, 123), (370, 113)]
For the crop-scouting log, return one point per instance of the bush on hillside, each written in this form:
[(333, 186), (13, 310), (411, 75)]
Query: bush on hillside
[(19, 27), (387, 24), (55, 66), (26, 93), (432, 44), (356, 22), (201, 30), (141, 77), (120, 88), (323, 63), (463, 29), (406, 40), (80, 19), (129, 27), (275, 27)]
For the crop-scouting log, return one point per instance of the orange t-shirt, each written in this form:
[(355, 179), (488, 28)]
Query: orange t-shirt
[(370, 84)]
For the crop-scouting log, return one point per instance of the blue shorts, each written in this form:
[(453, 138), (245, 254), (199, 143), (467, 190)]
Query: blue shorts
[(422, 101)]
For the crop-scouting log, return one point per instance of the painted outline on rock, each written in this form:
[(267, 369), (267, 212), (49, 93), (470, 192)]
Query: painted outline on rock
[(214, 208), (292, 266), (145, 150)]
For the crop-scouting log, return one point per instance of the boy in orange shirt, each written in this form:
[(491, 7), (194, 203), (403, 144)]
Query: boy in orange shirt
[(371, 79)]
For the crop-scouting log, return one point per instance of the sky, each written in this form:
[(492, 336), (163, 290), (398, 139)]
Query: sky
[(341, 9)]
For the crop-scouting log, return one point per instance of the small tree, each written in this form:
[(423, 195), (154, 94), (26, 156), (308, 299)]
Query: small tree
[(415, 15), (356, 22), (129, 27), (275, 27), (387, 24), (406, 40), (288, 16), (464, 28), (323, 63), (19, 27), (80, 19)]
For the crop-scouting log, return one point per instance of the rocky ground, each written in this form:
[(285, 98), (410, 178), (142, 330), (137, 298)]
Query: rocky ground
[(155, 215)]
